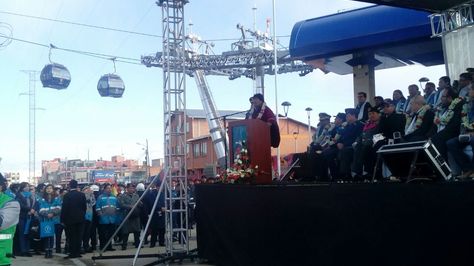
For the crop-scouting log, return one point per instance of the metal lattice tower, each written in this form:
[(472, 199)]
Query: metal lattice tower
[(31, 124), (174, 119)]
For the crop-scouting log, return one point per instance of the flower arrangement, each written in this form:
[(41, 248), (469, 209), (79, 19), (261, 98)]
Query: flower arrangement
[(241, 171), (467, 123), (419, 119)]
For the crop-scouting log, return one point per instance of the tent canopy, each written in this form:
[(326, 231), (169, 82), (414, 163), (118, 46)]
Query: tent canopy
[(396, 36), (428, 5)]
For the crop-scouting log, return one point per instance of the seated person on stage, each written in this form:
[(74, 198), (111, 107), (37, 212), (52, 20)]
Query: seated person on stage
[(419, 124), (351, 132), (457, 144), (264, 113), (362, 107), (378, 103), (447, 120), (322, 135), (390, 122), (330, 153), (398, 101), (364, 153)]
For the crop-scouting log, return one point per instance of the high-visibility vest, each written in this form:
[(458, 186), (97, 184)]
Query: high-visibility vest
[(6, 236)]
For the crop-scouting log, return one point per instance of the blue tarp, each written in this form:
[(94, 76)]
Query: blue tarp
[(382, 29)]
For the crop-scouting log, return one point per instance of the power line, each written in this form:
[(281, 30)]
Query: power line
[(122, 59), (236, 39), (112, 29), (81, 24)]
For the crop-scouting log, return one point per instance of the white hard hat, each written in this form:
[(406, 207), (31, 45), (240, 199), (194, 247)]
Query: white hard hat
[(95, 188), (140, 187)]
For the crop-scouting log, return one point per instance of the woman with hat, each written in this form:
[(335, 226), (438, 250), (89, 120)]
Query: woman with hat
[(263, 112)]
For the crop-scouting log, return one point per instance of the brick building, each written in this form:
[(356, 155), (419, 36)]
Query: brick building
[(201, 158)]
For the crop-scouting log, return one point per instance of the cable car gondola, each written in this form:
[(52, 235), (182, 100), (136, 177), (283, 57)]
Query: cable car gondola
[(55, 76), (111, 85)]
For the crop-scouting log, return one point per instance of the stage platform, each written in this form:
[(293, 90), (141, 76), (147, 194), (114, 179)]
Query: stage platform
[(336, 224)]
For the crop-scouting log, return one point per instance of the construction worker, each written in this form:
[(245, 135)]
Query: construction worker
[(9, 215)]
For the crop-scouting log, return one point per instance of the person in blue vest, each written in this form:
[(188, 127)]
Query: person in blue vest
[(49, 211), (106, 207), (9, 214), (90, 199), (59, 228), (27, 212)]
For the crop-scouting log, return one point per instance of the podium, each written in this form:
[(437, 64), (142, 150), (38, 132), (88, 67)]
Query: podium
[(256, 134)]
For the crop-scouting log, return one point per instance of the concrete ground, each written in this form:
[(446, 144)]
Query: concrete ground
[(87, 258)]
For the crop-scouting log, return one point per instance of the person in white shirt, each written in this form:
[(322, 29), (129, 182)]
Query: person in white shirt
[(413, 91)]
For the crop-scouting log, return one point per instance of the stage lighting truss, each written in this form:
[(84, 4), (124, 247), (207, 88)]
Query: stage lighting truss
[(452, 20), (233, 64)]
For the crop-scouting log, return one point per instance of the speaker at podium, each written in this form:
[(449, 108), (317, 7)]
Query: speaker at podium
[(256, 135)]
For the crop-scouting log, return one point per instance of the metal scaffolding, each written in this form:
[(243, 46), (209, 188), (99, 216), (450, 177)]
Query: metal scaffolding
[(453, 19), (174, 119)]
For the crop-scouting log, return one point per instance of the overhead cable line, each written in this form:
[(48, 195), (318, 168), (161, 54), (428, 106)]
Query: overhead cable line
[(81, 24), (237, 39), (112, 29), (122, 59)]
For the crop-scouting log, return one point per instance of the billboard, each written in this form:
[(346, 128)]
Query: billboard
[(103, 176)]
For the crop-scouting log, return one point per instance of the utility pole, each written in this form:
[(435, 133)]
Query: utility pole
[(147, 159)]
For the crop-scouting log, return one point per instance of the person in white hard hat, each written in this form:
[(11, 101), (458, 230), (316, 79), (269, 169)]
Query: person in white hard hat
[(140, 187)]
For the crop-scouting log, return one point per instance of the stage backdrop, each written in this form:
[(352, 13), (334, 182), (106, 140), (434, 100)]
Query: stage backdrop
[(339, 224)]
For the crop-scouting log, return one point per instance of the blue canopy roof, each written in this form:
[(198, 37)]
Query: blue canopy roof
[(397, 36)]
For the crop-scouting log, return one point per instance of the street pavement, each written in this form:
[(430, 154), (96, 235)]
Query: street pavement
[(87, 258)]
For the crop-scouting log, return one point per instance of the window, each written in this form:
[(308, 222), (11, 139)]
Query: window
[(187, 149), (187, 127), (204, 148), (178, 149), (196, 150)]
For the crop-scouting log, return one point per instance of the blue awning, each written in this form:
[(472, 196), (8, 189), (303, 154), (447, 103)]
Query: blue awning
[(429, 5), (402, 36)]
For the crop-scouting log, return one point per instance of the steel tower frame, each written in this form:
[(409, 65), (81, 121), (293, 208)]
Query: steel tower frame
[(175, 126), (31, 124)]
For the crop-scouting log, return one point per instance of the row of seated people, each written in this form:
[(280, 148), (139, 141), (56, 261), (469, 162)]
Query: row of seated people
[(345, 149)]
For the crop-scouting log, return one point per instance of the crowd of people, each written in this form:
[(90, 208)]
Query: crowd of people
[(346, 148), (35, 217)]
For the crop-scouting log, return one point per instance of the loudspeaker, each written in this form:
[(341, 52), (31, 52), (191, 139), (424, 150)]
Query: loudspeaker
[(414, 159), (311, 167)]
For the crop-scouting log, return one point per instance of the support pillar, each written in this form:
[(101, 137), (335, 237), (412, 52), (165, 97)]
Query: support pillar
[(363, 67)]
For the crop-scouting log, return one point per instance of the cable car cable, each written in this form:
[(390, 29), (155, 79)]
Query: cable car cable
[(121, 59), (113, 29), (81, 24)]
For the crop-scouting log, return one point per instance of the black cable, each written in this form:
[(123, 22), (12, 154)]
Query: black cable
[(91, 54), (235, 39), (112, 29), (82, 24)]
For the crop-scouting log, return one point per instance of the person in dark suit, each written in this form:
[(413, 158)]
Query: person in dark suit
[(73, 212), (447, 120), (362, 107), (351, 132), (157, 225), (419, 125), (391, 121)]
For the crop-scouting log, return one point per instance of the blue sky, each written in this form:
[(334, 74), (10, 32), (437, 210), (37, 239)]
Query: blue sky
[(78, 120)]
